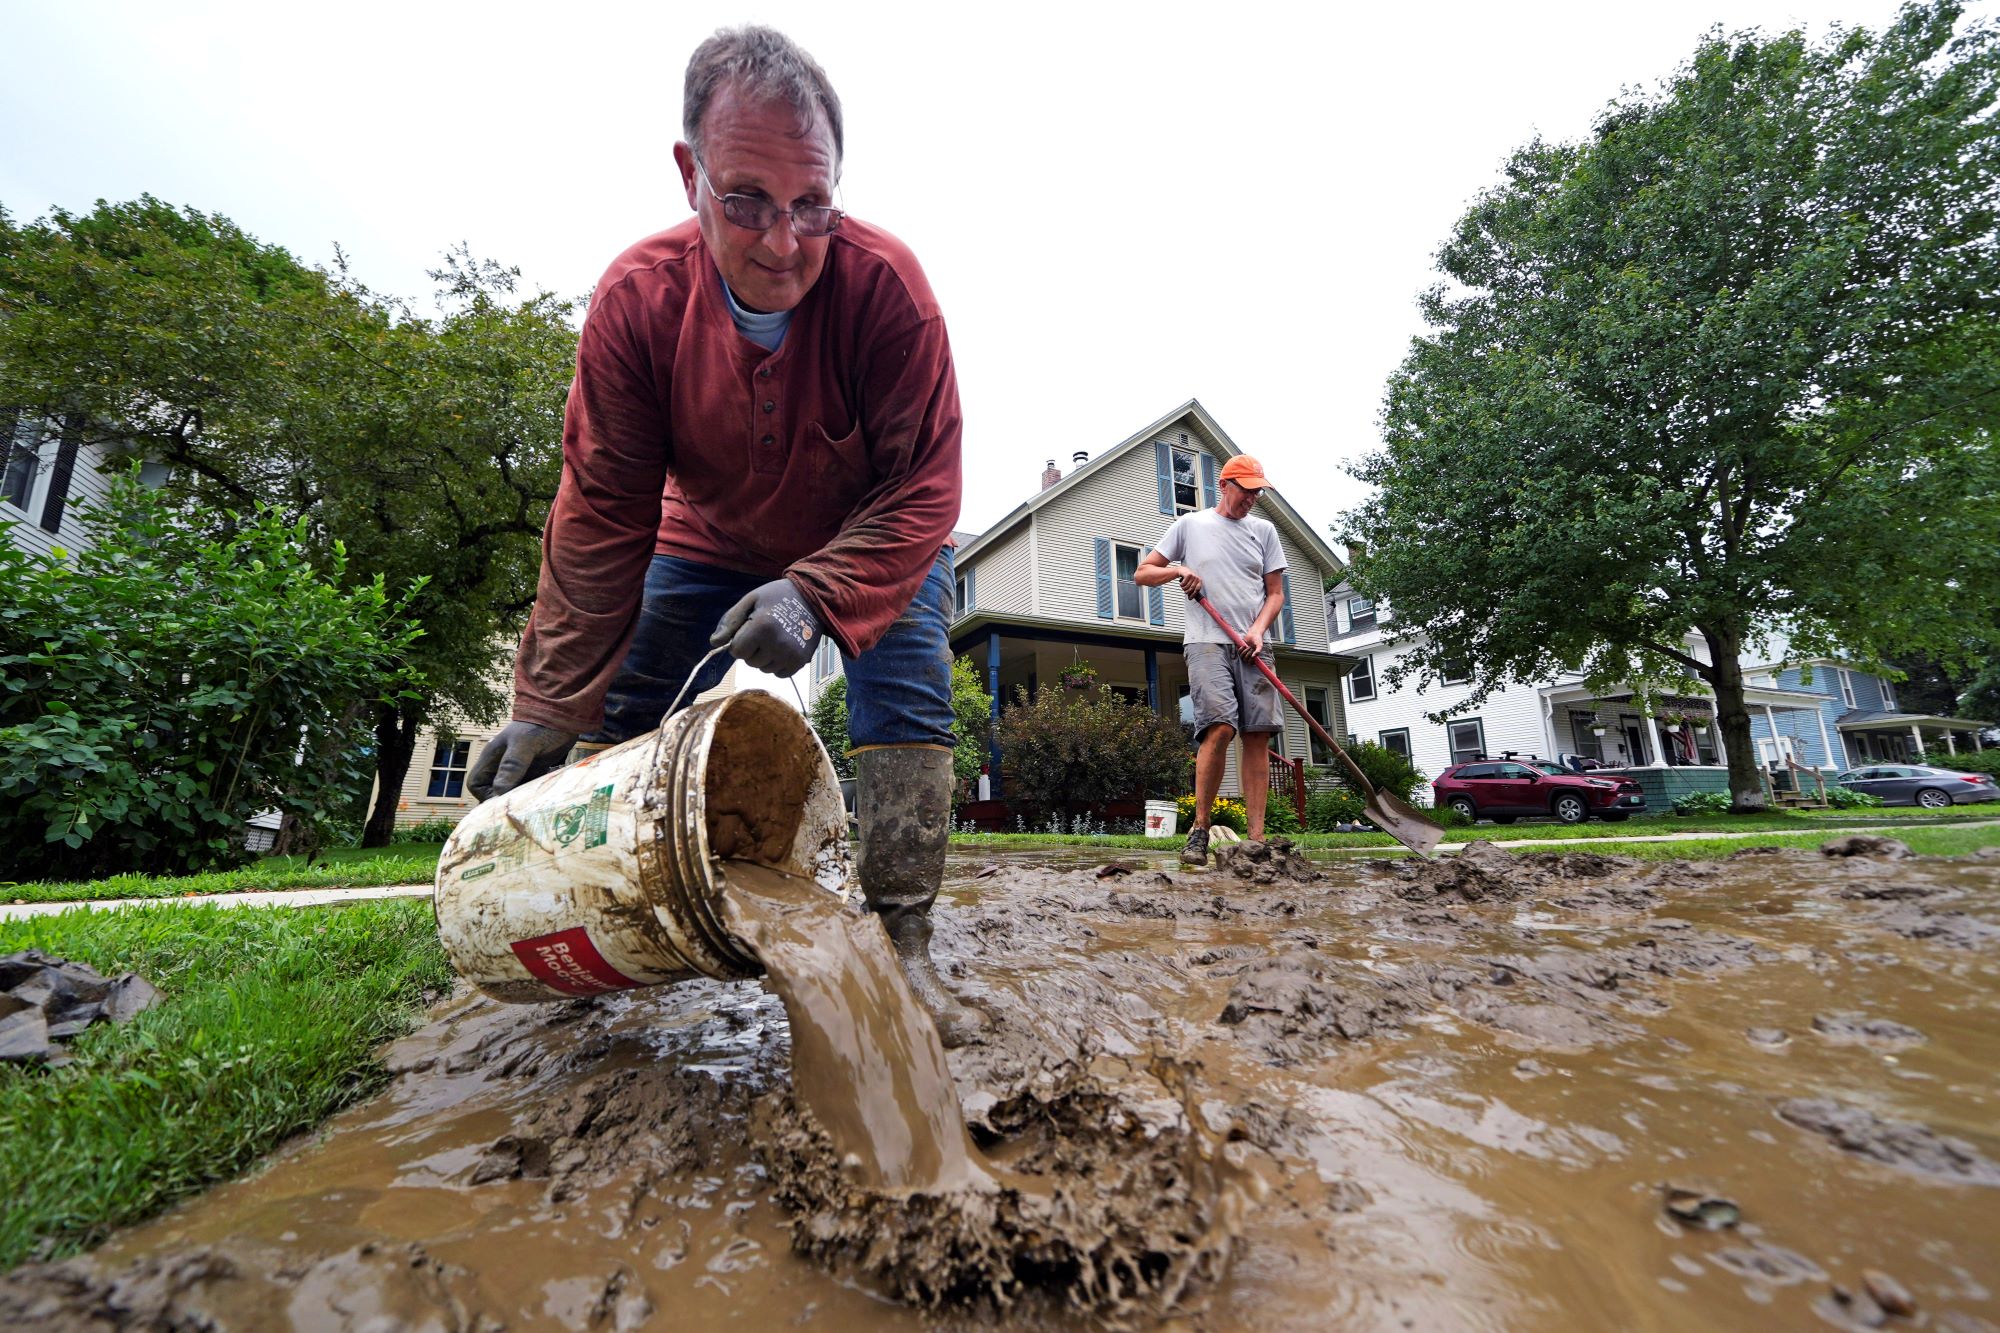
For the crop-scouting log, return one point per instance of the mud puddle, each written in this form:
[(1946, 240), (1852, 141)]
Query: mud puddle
[(1461, 1095)]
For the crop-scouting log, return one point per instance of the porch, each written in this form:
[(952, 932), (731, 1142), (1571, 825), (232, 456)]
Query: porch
[(1901, 738), (1676, 748), (1144, 664)]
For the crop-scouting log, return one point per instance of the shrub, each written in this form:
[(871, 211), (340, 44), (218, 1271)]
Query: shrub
[(1227, 811), (1388, 770), (1846, 798), (1280, 817), (1326, 810), (431, 830), (1450, 818), (971, 708), (165, 687), (1966, 761), (1702, 803), (1070, 749)]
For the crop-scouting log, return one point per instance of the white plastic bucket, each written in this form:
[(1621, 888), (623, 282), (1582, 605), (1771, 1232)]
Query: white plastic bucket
[(1162, 818), (602, 875)]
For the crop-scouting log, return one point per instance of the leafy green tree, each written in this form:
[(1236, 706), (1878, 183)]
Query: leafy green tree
[(166, 686), (429, 447), (1731, 363), (971, 708)]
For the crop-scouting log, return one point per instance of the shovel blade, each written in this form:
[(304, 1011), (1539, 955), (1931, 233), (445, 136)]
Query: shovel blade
[(1404, 822)]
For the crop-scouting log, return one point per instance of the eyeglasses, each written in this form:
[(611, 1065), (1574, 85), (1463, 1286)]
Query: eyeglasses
[(754, 214)]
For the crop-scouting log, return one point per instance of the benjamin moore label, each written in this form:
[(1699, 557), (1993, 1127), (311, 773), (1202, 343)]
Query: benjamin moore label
[(570, 963)]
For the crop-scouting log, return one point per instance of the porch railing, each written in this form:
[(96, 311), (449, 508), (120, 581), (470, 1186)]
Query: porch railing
[(1288, 783)]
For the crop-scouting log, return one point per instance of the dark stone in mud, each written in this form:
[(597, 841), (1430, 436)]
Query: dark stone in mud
[(1865, 844), (1898, 892), (1898, 1143), (1860, 1029), (1769, 1263)]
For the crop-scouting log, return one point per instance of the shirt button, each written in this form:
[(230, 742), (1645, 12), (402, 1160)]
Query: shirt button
[(769, 439), (764, 373), (770, 405)]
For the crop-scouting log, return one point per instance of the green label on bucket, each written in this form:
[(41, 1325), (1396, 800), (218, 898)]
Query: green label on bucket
[(479, 870), (564, 828)]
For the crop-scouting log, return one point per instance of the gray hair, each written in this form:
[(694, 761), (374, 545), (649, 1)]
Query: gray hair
[(760, 63)]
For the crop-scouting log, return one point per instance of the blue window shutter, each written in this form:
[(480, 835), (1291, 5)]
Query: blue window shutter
[(1156, 606), (1163, 458), (1208, 480), (971, 590), (1103, 579), (1285, 616)]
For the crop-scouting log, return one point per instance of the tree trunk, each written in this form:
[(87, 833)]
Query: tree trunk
[(1725, 677), (395, 741)]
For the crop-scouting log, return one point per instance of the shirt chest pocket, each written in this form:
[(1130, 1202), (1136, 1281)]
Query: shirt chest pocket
[(839, 468)]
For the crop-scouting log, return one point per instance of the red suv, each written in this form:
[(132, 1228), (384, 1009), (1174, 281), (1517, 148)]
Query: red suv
[(1503, 790)]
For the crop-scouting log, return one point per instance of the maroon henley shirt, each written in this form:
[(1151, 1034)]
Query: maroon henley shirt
[(833, 461)]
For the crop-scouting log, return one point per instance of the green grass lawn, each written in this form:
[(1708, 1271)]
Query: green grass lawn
[(269, 1023), (1924, 841), (346, 868), (1644, 826)]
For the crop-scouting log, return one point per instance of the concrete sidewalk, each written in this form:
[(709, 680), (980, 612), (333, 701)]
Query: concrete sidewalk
[(322, 897)]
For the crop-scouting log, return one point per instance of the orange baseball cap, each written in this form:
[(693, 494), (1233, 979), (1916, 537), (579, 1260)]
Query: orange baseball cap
[(1246, 472)]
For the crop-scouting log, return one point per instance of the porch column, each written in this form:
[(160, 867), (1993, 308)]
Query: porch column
[(1153, 679), (1950, 745), (1917, 735), (1819, 716), (1771, 721), (1659, 750), (993, 689), (1715, 734)]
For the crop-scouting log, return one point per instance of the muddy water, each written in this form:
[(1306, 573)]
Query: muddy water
[(1461, 1091)]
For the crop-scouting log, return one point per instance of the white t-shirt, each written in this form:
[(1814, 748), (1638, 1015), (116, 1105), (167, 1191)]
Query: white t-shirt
[(1232, 555)]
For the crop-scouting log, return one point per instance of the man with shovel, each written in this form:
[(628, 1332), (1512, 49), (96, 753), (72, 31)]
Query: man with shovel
[(1241, 569), (761, 448)]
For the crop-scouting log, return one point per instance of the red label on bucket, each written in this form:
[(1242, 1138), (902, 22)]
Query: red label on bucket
[(568, 961)]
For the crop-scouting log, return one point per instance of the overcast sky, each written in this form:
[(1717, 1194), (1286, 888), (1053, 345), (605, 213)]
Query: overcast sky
[(1120, 207)]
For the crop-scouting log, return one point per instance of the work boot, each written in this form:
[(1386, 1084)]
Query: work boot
[(903, 805), (1196, 851)]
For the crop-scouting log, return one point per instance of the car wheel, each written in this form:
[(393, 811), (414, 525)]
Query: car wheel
[(1571, 809), (1930, 798), (1505, 819), (1465, 807)]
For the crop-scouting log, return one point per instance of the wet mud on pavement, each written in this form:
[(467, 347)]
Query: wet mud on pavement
[(1491, 1092)]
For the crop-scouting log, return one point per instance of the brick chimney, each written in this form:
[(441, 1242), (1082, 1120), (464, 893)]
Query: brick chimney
[(1049, 474)]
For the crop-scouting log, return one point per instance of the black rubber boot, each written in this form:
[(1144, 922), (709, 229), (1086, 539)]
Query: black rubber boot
[(903, 805)]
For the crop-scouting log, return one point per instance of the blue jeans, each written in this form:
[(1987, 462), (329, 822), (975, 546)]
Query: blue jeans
[(898, 692)]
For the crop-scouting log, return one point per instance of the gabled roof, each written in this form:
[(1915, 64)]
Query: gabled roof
[(1195, 418)]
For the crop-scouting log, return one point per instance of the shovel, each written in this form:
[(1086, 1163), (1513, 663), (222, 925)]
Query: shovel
[(1393, 815)]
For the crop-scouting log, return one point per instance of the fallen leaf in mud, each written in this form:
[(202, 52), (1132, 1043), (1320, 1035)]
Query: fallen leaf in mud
[(1710, 1212), (1888, 1293), (987, 871), (1112, 869)]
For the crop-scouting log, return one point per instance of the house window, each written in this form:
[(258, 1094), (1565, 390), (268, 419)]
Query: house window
[(964, 603), (1467, 740), (824, 658), (20, 444), (1131, 598), (1361, 681), (1187, 491), (1360, 613), (1398, 741), (1888, 696), (1316, 710), (1454, 672), (448, 768), (1846, 687), (1588, 743)]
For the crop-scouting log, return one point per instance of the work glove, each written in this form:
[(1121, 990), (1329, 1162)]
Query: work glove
[(521, 752), (771, 629)]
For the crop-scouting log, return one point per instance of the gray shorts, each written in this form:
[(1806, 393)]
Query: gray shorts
[(1226, 689)]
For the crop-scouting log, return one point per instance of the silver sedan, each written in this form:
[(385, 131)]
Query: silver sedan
[(1915, 784)]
